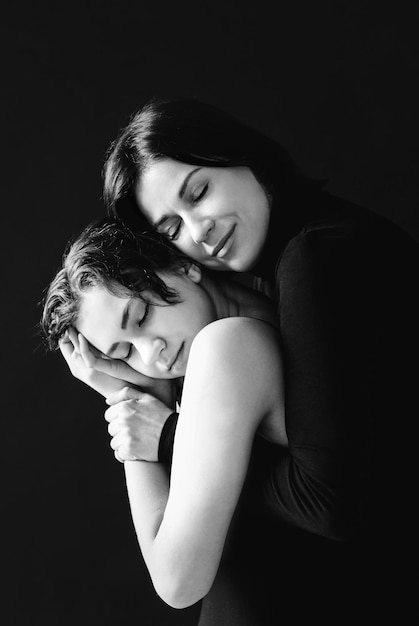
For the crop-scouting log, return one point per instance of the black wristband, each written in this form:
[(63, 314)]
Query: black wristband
[(167, 437)]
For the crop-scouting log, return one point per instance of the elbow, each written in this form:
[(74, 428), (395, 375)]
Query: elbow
[(180, 577), (176, 601), (179, 593)]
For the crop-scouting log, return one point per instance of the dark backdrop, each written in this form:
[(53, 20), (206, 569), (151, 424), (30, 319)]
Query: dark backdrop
[(336, 81)]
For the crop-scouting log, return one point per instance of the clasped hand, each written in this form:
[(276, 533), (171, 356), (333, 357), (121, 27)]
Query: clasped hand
[(135, 423)]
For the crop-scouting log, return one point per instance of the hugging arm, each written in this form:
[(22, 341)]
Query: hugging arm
[(229, 389), (328, 349)]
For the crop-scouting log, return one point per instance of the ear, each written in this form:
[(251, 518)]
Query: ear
[(193, 272)]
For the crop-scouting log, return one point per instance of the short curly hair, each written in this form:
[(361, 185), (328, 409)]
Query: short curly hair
[(109, 254)]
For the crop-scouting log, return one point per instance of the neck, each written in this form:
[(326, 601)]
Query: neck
[(234, 299)]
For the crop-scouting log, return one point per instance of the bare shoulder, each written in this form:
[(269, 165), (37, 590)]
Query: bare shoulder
[(234, 373), (238, 345), (231, 328)]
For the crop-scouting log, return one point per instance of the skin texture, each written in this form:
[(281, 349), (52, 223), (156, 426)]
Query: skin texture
[(216, 203)]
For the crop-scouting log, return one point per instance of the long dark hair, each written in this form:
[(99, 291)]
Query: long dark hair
[(197, 133)]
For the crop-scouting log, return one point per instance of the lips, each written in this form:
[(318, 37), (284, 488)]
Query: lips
[(220, 245), (176, 357)]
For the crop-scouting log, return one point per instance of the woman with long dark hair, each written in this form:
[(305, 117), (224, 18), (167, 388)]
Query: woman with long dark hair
[(345, 281)]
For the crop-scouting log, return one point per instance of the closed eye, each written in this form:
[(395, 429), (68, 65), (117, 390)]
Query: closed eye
[(197, 197), (174, 229), (145, 314), (127, 356), (140, 322)]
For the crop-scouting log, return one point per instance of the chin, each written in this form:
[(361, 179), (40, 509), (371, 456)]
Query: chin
[(241, 265)]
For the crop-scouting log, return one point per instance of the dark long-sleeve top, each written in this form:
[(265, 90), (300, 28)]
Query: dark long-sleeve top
[(346, 283)]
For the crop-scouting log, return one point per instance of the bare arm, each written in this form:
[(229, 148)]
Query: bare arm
[(231, 385)]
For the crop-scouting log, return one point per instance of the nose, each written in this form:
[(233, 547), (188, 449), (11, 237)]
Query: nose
[(199, 227), (150, 349)]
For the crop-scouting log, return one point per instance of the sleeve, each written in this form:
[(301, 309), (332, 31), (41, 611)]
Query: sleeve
[(318, 485)]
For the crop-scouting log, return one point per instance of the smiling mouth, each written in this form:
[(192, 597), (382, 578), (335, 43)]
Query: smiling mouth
[(220, 245), (176, 357)]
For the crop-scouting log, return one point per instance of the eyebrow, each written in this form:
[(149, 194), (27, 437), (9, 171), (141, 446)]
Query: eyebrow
[(181, 193), (124, 322)]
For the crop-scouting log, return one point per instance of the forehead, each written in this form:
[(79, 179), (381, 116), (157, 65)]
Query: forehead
[(100, 314), (159, 185), (98, 298)]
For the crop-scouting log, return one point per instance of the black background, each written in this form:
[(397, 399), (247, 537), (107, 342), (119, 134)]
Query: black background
[(335, 81)]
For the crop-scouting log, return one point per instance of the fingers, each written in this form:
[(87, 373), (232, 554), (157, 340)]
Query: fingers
[(69, 343), (118, 458), (114, 427), (73, 337), (117, 441), (118, 410), (66, 348), (127, 393), (66, 345), (69, 348), (123, 407), (125, 441), (121, 451), (121, 456), (87, 355)]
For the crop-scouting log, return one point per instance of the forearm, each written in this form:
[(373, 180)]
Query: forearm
[(148, 489), (173, 559)]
